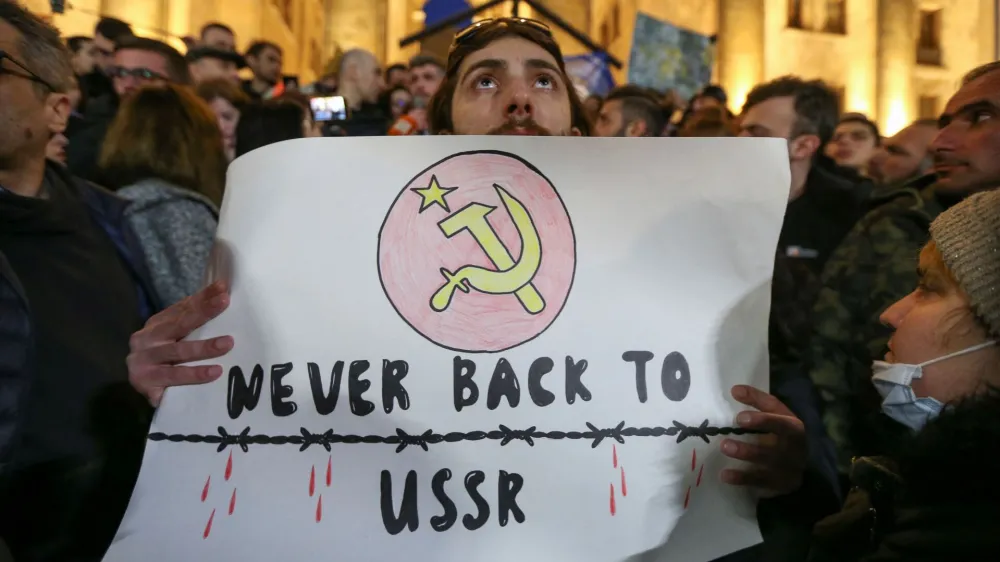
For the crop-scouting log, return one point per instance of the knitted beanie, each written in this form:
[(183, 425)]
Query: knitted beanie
[(968, 237)]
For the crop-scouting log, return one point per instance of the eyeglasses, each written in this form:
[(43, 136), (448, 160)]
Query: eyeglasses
[(143, 74), (29, 75), (468, 33)]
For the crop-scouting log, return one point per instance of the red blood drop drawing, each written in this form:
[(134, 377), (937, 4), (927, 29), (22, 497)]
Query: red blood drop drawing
[(614, 455), (694, 458), (687, 497), (700, 471), (208, 526), (229, 466), (612, 499), (624, 487), (204, 491), (312, 481), (232, 502), (319, 509), (329, 471)]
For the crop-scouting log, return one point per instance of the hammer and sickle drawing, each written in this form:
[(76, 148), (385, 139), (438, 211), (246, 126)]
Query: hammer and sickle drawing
[(509, 277)]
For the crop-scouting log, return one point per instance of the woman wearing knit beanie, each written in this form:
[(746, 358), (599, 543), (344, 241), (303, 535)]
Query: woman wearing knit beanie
[(938, 496)]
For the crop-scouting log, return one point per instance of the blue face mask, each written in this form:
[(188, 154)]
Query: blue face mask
[(892, 380)]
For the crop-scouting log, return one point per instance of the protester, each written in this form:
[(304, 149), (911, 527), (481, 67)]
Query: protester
[(904, 157), (138, 61), (629, 111), (709, 122), (264, 59), (107, 34), (400, 101), (396, 76), (934, 497), (360, 83), (270, 122), (227, 101), (73, 287), (218, 36), (164, 154), (874, 266), (92, 81), (209, 63), (854, 142), (824, 201)]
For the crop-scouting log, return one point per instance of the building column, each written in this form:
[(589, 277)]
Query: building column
[(147, 17), (897, 59), (740, 48)]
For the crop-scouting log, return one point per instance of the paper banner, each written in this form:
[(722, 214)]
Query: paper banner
[(475, 349), (666, 57)]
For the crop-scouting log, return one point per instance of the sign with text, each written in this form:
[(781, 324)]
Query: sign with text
[(473, 349)]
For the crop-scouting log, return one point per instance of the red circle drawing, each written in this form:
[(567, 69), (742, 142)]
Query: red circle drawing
[(477, 253)]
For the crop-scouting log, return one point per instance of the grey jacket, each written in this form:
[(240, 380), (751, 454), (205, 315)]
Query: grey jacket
[(176, 228)]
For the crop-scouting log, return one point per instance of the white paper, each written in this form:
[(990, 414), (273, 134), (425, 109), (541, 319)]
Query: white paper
[(658, 245)]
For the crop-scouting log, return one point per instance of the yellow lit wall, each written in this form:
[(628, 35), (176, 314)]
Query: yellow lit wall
[(303, 37)]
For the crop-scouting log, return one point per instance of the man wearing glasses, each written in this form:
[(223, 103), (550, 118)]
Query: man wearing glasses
[(138, 61), (72, 290)]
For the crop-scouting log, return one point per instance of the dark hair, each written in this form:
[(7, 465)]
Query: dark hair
[(267, 123), (426, 60), (639, 104), (816, 106), (77, 42), (708, 122), (223, 88), (215, 25), (42, 51), (714, 91), (114, 29), (439, 108), (165, 132), (257, 48), (980, 71), (177, 66), (295, 96), (863, 120), (397, 66)]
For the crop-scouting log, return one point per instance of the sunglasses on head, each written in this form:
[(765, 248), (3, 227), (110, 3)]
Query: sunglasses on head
[(28, 74), (468, 33), (144, 74)]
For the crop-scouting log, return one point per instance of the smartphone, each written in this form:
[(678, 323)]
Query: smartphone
[(330, 108)]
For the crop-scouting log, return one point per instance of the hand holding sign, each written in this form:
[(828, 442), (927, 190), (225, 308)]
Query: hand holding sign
[(158, 350), (779, 458)]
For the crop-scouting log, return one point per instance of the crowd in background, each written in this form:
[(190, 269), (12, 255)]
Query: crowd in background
[(888, 243)]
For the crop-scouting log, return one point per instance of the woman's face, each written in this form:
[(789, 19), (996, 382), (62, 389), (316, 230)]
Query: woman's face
[(400, 101), (934, 321), (228, 117)]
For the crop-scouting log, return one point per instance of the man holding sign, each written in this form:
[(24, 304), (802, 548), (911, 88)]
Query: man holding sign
[(504, 77)]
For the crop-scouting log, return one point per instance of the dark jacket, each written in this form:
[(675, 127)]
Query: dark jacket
[(834, 199), (16, 349), (937, 499), (86, 138)]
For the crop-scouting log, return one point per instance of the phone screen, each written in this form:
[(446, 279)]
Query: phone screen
[(330, 108)]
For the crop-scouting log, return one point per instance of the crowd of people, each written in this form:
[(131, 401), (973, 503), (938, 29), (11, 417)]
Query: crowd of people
[(113, 155)]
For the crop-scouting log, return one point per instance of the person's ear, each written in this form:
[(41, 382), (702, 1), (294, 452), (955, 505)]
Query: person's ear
[(57, 109), (636, 128), (803, 147)]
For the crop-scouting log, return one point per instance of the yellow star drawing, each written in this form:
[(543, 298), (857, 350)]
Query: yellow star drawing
[(433, 194)]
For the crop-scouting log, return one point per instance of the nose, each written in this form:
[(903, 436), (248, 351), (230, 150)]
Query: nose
[(519, 105), (946, 139), (894, 315)]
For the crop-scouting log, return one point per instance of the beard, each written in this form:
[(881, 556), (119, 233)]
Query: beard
[(527, 127)]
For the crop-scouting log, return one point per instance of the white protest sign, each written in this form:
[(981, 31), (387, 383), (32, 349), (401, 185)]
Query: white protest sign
[(473, 349)]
